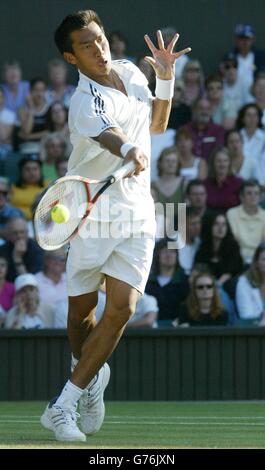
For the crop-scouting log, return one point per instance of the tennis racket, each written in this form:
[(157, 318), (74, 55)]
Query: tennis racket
[(79, 195)]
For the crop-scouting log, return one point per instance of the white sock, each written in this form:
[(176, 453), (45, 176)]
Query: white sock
[(69, 396)]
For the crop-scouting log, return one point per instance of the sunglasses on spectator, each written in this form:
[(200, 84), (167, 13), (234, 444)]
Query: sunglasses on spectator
[(204, 286), (230, 66), (4, 193), (178, 88)]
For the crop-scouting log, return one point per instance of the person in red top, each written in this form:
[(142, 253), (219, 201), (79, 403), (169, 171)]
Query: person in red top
[(221, 185), (206, 135)]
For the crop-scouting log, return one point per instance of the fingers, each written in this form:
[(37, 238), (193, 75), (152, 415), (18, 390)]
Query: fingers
[(150, 61), (149, 43), (160, 40), (184, 51), (173, 42)]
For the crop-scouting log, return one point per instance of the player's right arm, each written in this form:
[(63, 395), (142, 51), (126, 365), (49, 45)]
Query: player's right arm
[(113, 139)]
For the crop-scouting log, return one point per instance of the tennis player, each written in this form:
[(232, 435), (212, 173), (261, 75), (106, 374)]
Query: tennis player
[(111, 116)]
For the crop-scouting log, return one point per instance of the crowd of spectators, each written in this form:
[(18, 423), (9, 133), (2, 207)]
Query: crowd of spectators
[(211, 158)]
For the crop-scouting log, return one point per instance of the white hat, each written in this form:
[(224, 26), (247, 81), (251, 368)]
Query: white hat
[(25, 280)]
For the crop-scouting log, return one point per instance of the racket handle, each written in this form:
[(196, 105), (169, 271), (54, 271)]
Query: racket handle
[(123, 171)]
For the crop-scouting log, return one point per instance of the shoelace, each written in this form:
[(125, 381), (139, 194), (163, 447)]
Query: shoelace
[(65, 416)]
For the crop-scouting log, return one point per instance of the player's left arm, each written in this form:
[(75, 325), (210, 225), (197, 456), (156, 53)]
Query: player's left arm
[(163, 63)]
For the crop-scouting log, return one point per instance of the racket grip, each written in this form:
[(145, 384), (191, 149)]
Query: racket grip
[(123, 171)]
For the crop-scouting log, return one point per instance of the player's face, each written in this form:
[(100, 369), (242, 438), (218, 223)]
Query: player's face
[(91, 51)]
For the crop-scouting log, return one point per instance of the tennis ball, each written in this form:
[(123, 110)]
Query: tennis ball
[(60, 214)]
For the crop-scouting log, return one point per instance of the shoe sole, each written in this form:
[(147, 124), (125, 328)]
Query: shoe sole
[(105, 382)]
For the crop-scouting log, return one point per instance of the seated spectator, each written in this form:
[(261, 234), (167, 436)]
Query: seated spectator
[(52, 279), (57, 121), (234, 91), (148, 71), (53, 148), (250, 290), (7, 123), (167, 282), (15, 89), (61, 167), (250, 128), (259, 96), (247, 221), (29, 312), (193, 229), (23, 254), (203, 306), (118, 46), (169, 187), (206, 135), (241, 164), (190, 166), (7, 289), (221, 185), (59, 89), (29, 184), (180, 113), (34, 114), (193, 80), (223, 112), (196, 197), (217, 245), (6, 210), (168, 33)]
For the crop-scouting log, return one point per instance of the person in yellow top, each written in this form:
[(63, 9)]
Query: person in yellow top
[(30, 183)]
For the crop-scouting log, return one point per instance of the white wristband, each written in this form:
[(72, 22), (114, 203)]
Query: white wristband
[(164, 89), (125, 148)]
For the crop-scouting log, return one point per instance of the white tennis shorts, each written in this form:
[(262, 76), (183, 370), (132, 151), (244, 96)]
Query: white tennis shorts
[(127, 257)]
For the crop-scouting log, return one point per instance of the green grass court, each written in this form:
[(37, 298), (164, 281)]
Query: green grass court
[(158, 425)]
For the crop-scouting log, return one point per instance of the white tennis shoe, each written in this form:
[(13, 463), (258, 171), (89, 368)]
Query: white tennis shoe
[(91, 403), (62, 421)]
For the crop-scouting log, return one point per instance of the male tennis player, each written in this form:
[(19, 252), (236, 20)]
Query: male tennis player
[(111, 116)]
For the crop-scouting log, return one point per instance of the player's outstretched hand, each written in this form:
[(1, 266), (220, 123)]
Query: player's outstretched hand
[(139, 158), (163, 59)]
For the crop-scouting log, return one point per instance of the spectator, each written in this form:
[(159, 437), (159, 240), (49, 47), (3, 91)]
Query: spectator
[(61, 167), (7, 123), (219, 250), (221, 185), (241, 165), (205, 134), (259, 95), (190, 166), (118, 46), (57, 121), (234, 90), (250, 127), (167, 283), (29, 312), (7, 289), (148, 72), (168, 32), (180, 113), (223, 111), (59, 89), (6, 210), (193, 80), (193, 230), (30, 183), (250, 290), (53, 149), (250, 60), (15, 89), (22, 253), (247, 221), (196, 197), (169, 187), (33, 114), (203, 306), (52, 279)]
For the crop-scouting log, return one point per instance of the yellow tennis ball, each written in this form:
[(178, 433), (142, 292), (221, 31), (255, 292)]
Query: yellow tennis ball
[(60, 214)]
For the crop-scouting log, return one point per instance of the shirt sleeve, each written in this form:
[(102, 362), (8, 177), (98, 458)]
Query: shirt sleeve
[(93, 116)]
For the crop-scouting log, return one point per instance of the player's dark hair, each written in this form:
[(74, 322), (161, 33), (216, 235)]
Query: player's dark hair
[(73, 22)]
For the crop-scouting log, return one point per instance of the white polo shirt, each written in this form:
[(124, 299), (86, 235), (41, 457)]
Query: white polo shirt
[(95, 108)]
